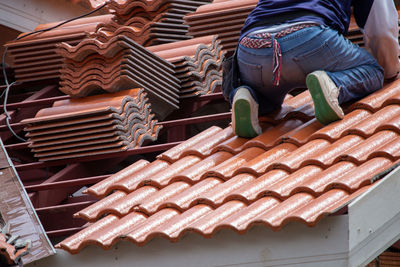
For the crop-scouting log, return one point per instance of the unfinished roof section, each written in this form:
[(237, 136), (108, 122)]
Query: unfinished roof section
[(296, 170), (198, 64), (93, 125)]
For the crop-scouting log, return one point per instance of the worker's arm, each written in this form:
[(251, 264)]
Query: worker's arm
[(381, 33)]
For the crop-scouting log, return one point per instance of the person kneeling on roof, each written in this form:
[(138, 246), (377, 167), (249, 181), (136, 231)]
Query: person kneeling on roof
[(286, 45)]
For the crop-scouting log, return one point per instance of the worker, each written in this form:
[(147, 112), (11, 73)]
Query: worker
[(286, 45)]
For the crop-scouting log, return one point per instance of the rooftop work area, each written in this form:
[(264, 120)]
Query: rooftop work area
[(118, 148)]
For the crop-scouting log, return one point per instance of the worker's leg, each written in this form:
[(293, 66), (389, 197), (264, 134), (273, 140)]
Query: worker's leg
[(350, 67)]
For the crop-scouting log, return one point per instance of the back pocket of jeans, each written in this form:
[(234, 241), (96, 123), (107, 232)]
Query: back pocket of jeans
[(250, 74), (320, 58)]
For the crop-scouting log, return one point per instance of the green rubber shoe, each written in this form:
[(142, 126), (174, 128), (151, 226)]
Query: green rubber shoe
[(324, 93), (245, 114)]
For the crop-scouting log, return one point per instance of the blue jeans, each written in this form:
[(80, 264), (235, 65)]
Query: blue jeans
[(350, 67)]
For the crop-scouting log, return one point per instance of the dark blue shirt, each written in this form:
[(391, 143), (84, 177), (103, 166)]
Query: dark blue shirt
[(332, 13)]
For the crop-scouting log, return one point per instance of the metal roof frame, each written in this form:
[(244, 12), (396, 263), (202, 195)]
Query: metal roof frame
[(51, 184)]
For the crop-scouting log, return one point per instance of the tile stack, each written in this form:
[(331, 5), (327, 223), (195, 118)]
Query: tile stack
[(224, 18), (296, 171), (92, 125), (118, 64), (198, 64), (149, 22), (34, 58)]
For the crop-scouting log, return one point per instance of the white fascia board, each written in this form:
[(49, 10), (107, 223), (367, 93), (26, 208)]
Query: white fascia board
[(25, 15), (293, 246), (374, 220)]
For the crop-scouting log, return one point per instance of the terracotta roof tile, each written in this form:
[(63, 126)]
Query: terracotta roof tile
[(197, 61), (120, 121), (297, 170), (34, 57), (118, 64)]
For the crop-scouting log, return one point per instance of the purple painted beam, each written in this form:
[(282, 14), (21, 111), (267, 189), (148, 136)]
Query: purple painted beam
[(69, 183)]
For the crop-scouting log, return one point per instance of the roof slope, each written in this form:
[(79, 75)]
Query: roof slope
[(296, 170)]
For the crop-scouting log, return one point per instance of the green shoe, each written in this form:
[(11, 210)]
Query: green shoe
[(245, 114), (324, 93)]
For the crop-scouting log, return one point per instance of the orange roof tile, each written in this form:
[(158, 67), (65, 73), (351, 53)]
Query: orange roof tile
[(92, 125), (296, 170)]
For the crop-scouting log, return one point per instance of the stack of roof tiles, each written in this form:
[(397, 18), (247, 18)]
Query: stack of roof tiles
[(120, 63), (224, 18), (296, 170), (198, 64), (149, 22), (93, 125), (34, 58)]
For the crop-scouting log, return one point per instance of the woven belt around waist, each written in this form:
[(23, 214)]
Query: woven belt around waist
[(264, 40)]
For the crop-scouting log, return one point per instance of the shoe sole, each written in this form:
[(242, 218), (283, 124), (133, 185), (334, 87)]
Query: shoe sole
[(324, 113), (242, 116)]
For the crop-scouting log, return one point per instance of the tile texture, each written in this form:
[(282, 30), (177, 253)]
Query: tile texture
[(197, 62), (296, 170), (34, 58), (118, 64), (92, 125)]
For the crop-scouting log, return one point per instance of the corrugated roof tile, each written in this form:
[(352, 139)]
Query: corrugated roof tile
[(296, 170)]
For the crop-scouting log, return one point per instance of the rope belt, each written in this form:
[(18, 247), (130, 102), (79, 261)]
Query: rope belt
[(267, 40)]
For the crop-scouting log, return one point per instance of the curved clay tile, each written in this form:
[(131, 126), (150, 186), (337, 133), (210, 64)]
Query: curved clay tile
[(294, 161), (327, 156), (101, 188), (390, 150), (176, 152), (360, 154), (195, 173), (183, 200), (131, 182), (272, 136), (153, 203), (259, 164), (302, 134), (369, 126), (217, 195), (226, 169), (250, 192), (374, 101), (392, 125), (360, 176), (335, 130), (162, 178)]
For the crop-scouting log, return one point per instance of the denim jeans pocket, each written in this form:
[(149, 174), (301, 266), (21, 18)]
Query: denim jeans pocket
[(251, 74), (318, 57)]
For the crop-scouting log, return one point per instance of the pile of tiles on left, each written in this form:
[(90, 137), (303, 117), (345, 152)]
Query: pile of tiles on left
[(118, 64), (92, 125), (33, 57)]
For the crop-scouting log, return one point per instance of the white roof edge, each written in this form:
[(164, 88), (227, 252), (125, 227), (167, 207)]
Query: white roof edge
[(374, 220)]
